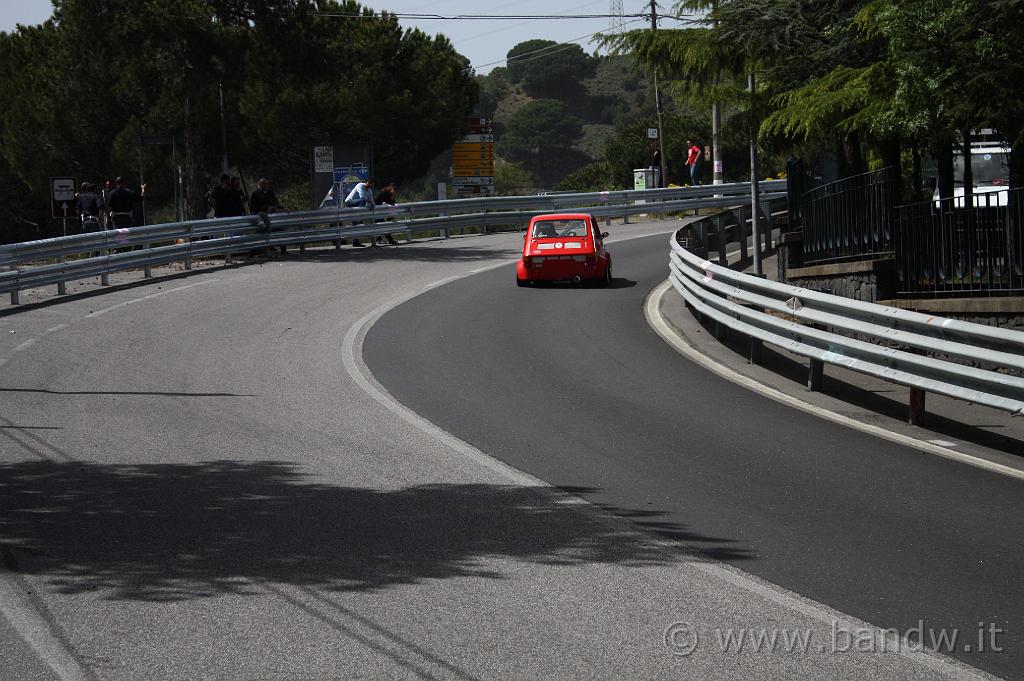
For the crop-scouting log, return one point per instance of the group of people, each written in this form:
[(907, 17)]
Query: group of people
[(228, 199), (693, 158), (362, 196), (113, 207)]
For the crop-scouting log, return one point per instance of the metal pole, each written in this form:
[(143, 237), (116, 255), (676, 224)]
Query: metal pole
[(142, 181), (223, 128), (61, 288), (663, 181), (174, 178), (755, 198), (716, 127)]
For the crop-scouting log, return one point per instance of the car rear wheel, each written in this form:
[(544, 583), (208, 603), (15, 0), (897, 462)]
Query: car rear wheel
[(606, 280), (522, 282)]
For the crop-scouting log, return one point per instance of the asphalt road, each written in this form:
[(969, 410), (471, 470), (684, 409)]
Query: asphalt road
[(201, 479), (570, 385)]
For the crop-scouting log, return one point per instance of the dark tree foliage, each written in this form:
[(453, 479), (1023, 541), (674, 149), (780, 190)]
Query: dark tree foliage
[(544, 66), (867, 80), (78, 90), (539, 130)]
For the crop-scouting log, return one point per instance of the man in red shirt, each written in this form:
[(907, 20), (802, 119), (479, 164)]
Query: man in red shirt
[(693, 160)]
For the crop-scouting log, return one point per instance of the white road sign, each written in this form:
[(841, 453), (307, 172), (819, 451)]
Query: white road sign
[(323, 159), (477, 181), (477, 138), (63, 188), (62, 195)]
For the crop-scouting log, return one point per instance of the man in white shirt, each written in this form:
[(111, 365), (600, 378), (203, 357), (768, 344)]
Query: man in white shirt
[(361, 195)]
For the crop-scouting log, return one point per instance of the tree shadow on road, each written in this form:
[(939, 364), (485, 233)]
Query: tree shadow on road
[(170, 532)]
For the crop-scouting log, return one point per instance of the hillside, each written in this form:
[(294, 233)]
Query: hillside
[(611, 93)]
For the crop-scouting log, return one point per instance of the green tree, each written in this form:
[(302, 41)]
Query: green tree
[(596, 177), (513, 180), (539, 130), (544, 66), (80, 88)]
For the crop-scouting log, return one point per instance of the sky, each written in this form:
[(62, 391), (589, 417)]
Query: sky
[(484, 42)]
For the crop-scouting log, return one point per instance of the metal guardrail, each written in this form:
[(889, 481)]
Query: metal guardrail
[(45, 262), (967, 361)]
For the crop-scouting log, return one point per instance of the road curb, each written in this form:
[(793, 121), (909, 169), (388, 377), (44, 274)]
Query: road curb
[(672, 335)]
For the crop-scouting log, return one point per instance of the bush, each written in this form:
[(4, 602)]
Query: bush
[(595, 177)]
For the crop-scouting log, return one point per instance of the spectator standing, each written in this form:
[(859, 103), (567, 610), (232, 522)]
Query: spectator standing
[(89, 207), (656, 163), (238, 202), (220, 198), (108, 187), (264, 201), (361, 196), (387, 197), (122, 204), (693, 160)]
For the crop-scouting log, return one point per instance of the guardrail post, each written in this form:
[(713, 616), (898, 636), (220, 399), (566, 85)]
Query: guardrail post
[(62, 288), (741, 232), (814, 375), (147, 271), (917, 396), (105, 277), (721, 243), (14, 293), (756, 351), (442, 230), (188, 253), (756, 346)]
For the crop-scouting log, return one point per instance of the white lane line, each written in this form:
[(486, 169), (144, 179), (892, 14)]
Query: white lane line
[(149, 297), (26, 345), (352, 359), (670, 336), (54, 329), (944, 443), (23, 616)]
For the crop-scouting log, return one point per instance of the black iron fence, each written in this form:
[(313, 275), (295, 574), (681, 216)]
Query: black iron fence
[(945, 247), (798, 182), (850, 219)]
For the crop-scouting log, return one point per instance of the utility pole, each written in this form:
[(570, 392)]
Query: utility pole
[(716, 121), (755, 193), (663, 182), (223, 129)]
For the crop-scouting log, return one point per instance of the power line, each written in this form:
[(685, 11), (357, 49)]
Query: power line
[(492, 17), (550, 49)]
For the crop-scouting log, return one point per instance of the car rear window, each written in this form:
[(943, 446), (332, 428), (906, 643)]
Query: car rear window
[(553, 229)]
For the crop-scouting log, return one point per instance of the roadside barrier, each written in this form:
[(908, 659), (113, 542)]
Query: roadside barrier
[(967, 361), (55, 261)]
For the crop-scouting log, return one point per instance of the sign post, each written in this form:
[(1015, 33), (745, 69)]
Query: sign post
[(473, 159), (62, 194)]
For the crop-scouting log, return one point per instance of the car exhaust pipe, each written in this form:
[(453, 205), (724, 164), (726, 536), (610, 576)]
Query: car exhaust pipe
[(577, 279)]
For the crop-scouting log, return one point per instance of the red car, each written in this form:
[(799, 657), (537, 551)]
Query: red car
[(564, 247)]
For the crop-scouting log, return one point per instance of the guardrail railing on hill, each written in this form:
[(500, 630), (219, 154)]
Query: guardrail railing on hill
[(973, 362), (45, 262)]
